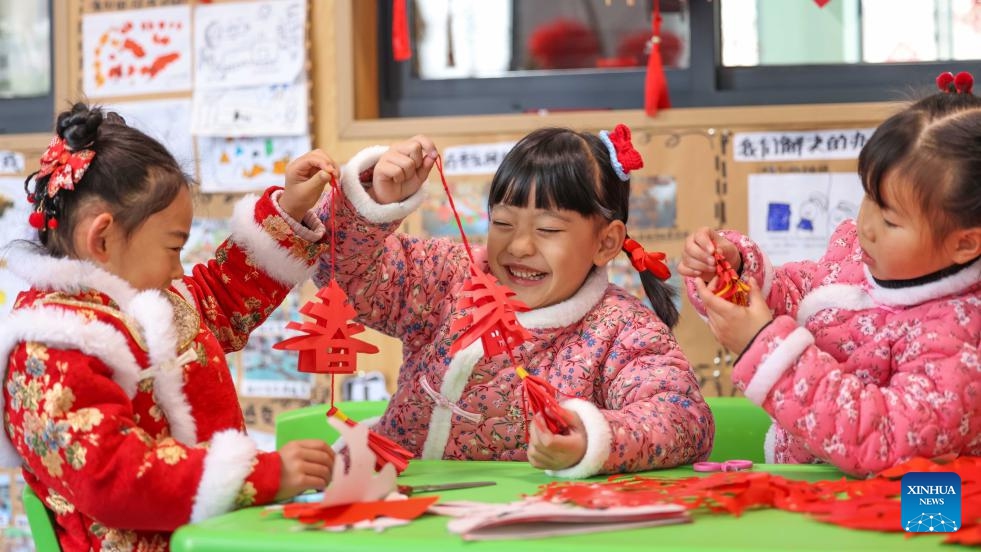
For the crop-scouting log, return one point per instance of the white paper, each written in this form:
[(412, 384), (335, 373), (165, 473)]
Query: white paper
[(249, 43), (136, 51), (230, 165), (14, 210), (11, 162), (474, 158), (792, 215), (801, 145), (357, 481), (168, 121), (270, 110)]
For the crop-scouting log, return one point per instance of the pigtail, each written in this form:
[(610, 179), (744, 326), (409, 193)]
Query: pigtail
[(661, 295)]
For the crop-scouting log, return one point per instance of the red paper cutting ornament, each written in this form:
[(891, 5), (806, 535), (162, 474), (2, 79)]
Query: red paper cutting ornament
[(655, 83), (386, 450), (729, 286), (541, 398)]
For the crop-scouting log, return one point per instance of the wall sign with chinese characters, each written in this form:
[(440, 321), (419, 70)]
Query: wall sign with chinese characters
[(800, 145)]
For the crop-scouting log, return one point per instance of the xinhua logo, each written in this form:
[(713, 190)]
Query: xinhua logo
[(931, 502)]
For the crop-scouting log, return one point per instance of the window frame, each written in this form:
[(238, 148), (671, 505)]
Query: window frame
[(705, 83)]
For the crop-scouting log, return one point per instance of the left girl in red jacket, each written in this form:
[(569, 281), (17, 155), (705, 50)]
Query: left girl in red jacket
[(117, 401)]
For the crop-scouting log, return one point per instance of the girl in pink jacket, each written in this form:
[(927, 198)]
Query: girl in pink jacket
[(869, 356), (558, 211)]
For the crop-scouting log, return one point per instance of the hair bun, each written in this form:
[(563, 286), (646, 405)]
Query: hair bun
[(79, 126)]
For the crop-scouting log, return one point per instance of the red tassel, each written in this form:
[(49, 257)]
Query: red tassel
[(386, 451), (656, 84), (401, 50), (541, 400)]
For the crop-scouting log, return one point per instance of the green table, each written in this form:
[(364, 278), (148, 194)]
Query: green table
[(761, 530)]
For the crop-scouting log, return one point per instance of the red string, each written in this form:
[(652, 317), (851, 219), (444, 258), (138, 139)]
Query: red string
[(456, 215)]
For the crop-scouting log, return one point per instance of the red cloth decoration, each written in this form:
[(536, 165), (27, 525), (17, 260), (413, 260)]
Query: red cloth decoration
[(349, 514), (65, 166), (729, 286), (870, 504), (563, 44), (491, 315), (628, 157), (540, 399), (401, 48), (386, 451), (327, 347), (655, 83), (642, 260)]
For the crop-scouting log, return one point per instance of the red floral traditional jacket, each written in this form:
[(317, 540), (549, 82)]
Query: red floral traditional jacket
[(119, 404)]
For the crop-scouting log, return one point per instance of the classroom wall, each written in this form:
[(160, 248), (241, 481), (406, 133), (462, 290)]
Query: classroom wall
[(701, 151)]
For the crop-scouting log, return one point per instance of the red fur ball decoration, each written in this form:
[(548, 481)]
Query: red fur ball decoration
[(964, 82), (563, 44), (944, 80), (36, 220)]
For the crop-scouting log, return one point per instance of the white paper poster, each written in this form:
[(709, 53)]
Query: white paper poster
[(270, 110), (169, 121), (11, 162), (249, 43), (792, 215), (230, 165), (136, 51), (14, 210), (474, 158), (802, 145)]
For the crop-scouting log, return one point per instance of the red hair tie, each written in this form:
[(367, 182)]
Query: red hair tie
[(623, 156), (65, 166), (963, 83), (642, 260)]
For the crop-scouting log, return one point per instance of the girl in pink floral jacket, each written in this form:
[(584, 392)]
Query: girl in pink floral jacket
[(117, 401), (869, 356), (558, 208)]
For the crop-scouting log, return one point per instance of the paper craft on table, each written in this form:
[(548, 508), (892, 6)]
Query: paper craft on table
[(268, 110), (249, 43), (168, 121), (230, 165), (534, 518), (136, 51)]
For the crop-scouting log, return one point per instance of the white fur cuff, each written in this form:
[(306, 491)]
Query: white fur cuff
[(228, 463), (272, 258), (362, 202), (598, 439), (782, 358)]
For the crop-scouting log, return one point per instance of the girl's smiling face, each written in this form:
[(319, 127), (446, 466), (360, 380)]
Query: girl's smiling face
[(545, 255)]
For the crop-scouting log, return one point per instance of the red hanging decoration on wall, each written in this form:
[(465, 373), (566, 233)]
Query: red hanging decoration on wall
[(401, 48), (655, 83)]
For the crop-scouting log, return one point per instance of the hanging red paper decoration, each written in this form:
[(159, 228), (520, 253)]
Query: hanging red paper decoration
[(401, 49), (729, 286), (655, 83), (492, 318), (386, 451)]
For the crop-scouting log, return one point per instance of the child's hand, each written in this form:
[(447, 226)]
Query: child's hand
[(307, 464), (548, 451), (402, 170), (306, 177), (734, 326), (697, 260)]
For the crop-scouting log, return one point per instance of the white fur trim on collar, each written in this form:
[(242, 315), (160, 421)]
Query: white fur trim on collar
[(571, 310), (71, 276), (833, 296), (268, 255), (228, 463), (779, 361), (59, 328), (454, 381), (362, 202), (907, 296), (599, 437)]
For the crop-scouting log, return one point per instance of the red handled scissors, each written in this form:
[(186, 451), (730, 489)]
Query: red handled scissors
[(727, 466)]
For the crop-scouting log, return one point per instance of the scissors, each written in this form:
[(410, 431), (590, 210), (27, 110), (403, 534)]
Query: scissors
[(407, 490), (727, 466)]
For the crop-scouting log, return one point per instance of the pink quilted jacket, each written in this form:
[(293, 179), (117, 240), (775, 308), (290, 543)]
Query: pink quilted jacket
[(619, 366), (859, 375)]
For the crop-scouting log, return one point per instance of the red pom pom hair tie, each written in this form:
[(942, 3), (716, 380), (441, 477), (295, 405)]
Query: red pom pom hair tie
[(962, 83), (623, 156), (642, 260)]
